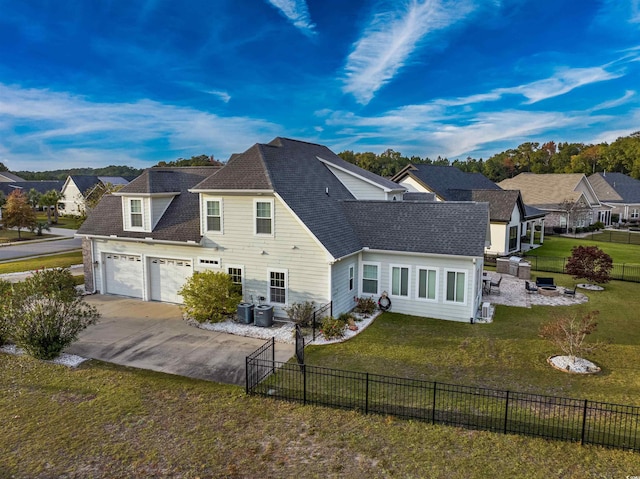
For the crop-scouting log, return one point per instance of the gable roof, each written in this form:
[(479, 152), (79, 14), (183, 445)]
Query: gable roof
[(501, 202), (10, 177), (615, 188), (40, 186), (443, 179), (84, 182), (181, 220), (451, 228), (545, 190)]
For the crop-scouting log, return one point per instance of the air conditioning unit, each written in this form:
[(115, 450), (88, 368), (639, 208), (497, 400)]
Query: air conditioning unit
[(486, 310)]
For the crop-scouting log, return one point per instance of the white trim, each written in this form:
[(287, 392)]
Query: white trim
[(401, 266), (464, 289), (230, 191), (361, 276), (360, 177), (128, 219), (286, 285), (138, 240), (205, 216), (209, 262), (427, 268), (146, 195), (255, 216)]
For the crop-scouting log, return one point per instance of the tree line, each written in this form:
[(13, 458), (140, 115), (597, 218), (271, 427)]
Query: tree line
[(623, 156)]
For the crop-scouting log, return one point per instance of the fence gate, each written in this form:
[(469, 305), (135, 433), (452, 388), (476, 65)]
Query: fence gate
[(299, 345)]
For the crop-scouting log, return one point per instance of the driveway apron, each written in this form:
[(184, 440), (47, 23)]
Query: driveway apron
[(151, 335)]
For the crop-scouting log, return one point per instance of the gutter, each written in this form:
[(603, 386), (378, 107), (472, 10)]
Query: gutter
[(138, 240)]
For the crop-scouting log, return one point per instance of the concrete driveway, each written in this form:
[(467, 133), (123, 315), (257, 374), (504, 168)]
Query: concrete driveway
[(150, 335)]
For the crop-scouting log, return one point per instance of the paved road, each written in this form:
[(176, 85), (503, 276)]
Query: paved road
[(37, 248), (151, 335)]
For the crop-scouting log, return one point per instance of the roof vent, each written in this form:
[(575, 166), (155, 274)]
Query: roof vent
[(326, 190)]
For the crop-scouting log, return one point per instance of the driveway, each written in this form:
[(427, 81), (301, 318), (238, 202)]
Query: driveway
[(150, 335)]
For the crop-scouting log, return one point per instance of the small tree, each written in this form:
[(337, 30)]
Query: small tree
[(39, 227), (18, 213), (568, 332), (210, 296), (48, 313), (590, 263)]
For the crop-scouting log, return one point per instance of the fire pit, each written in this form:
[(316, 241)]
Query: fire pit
[(548, 291)]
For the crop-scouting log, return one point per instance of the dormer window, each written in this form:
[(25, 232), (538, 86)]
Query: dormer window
[(135, 207)]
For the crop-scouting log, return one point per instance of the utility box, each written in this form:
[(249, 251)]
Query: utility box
[(263, 315), (245, 313)]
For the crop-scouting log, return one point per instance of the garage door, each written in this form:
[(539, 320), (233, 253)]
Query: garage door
[(167, 276), (123, 275)]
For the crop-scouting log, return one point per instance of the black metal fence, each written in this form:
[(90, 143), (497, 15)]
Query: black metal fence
[(553, 264), (584, 421), (615, 236), (319, 314)]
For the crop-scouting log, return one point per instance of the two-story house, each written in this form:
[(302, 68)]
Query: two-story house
[(290, 221)]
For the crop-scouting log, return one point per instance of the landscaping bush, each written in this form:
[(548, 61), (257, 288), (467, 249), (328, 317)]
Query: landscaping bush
[(5, 307), (366, 306), (301, 313), (332, 328), (48, 313), (210, 296), (598, 225)]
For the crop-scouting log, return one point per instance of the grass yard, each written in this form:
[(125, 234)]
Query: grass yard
[(67, 222), (560, 246), (10, 236), (105, 421), (506, 354), (61, 260)]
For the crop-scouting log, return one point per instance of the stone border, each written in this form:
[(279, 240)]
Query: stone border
[(590, 287), (592, 368)]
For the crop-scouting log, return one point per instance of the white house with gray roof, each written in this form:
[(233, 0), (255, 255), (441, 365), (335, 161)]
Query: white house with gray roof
[(290, 221)]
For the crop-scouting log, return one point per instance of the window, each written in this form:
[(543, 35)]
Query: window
[(455, 286), (214, 217), (264, 217), (351, 277), (278, 287), (370, 279), (427, 284), (236, 277), (136, 213), (209, 262), (399, 281), (634, 214), (513, 238)]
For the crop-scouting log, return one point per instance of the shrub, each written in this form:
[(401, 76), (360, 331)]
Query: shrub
[(301, 313), (6, 292), (332, 328), (210, 296), (346, 317), (598, 225), (590, 263), (366, 306), (48, 313)]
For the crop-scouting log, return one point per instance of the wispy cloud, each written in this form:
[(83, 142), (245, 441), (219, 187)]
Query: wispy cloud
[(606, 105), (297, 12), (391, 38), (38, 124)]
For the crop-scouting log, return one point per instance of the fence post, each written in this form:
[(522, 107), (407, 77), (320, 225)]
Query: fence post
[(314, 326), (304, 384), (366, 395), (584, 422), (273, 354), (433, 406), (246, 375), (622, 279), (506, 413), (563, 263)]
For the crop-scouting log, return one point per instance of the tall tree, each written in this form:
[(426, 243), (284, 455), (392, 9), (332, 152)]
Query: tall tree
[(18, 212), (34, 197)]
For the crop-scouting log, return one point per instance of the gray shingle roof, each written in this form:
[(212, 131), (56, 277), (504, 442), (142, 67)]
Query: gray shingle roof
[(412, 196), (85, 182), (6, 176), (443, 179), (452, 228), (501, 202), (180, 221), (245, 171), (615, 188), (25, 186)]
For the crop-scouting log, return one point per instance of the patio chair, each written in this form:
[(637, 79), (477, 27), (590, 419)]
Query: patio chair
[(494, 284), (530, 287), (571, 292)]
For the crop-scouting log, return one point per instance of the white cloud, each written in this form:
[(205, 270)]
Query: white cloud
[(628, 95), (47, 129), (391, 38), (297, 12)]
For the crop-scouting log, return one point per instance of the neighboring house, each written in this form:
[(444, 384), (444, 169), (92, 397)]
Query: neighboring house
[(620, 192), (25, 186), (568, 199), (510, 218), (290, 222), (77, 188), (5, 177)]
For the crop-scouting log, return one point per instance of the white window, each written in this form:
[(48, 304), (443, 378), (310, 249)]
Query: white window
[(351, 277), (235, 272), (400, 281), (456, 284), (264, 217), (427, 284), (370, 278), (634, 214), (209, 262), (135, 209), (214, 215), (278, 286)]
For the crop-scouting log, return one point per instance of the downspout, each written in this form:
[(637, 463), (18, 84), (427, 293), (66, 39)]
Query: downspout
[(93, 269)]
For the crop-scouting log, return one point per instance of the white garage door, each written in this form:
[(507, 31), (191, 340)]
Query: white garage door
[(123, 274), (167, 276)]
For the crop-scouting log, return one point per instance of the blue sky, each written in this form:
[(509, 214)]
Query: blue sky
[(94, 83)]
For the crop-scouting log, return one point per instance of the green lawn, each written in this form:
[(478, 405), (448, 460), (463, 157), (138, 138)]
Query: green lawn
[(560, 246), (506, 354), (10, 236), (67, 222), (61, 260), (105, 421)]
